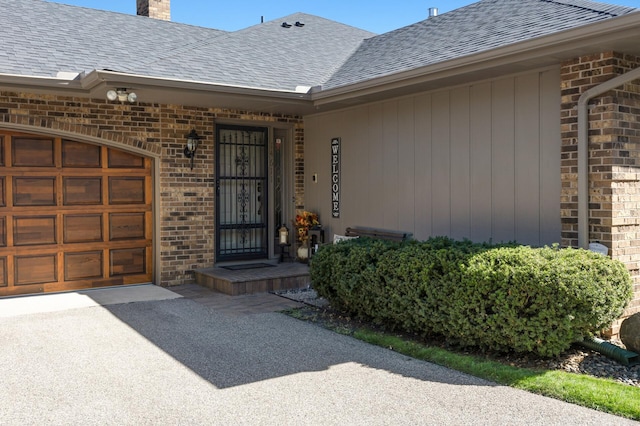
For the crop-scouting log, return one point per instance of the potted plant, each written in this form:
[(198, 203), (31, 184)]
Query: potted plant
[(303, 222)]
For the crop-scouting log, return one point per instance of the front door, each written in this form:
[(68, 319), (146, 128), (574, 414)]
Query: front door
[(241, 193)]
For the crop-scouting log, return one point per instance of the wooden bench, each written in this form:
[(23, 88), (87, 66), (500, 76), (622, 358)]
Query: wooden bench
[(381, 234)]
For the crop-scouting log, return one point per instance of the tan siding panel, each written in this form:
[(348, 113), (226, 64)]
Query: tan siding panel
[(481, 163), (460, 164), (527, 159), (422, 126), (406, 165), (502, 149), (375, 153), (390, 165), (550, 143), (441, 165), (355, 184)]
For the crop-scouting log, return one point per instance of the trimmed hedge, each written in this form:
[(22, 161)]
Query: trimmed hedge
[(499, 297)]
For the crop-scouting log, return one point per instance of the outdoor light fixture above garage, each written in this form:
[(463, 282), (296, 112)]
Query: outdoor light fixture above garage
[(122, 95)]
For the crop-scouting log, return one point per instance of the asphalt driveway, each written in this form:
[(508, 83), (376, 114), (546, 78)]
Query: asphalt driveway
[(177, 361)]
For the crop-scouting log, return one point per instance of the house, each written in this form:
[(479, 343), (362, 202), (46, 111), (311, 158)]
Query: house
[(502, 120)]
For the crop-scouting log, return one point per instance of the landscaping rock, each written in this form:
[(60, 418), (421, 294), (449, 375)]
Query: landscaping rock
[(630, 333)]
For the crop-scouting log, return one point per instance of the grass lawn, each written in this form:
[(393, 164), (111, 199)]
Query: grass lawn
[(600, 394)]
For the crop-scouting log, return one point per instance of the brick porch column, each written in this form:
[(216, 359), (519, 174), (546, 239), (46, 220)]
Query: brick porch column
[(614, 160)]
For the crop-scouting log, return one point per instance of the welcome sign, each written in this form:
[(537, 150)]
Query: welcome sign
[(335, 177)]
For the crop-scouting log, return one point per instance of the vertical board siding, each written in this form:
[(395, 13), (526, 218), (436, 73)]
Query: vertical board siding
[(422, 199), (527, 157), (390, 166), (441, 164), (407, 164), (480, 161), (460, 165), (503, 154), (481, 164), (550, 223)]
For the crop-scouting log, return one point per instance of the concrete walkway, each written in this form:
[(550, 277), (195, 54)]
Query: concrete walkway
[(182, 361)]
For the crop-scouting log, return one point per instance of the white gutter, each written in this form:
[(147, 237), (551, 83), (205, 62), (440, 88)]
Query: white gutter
[(583, 149)]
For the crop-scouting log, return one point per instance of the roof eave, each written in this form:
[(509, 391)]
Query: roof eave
[(168, 91), (538, 52)]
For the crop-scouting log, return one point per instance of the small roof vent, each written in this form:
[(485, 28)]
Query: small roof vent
[(286, 25), (299, 24), (433, 11)]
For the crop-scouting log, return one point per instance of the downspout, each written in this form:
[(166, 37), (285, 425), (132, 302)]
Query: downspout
[(583, 149)]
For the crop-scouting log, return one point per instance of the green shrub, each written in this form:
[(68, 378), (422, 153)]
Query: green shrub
[(503, 297)]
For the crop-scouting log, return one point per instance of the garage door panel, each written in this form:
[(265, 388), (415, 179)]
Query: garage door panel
[(3, 181), (82, 191), (33, 152), (127, 261), (72, 215), (83, 265), (82, 228), (34, 191), (76, 154), (126, 226), (3, 231), (126, 190), (36, 269), (34, 230), (121, 159), (3, 271)]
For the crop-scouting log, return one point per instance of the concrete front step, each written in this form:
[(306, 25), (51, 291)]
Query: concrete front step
[(283, 276)]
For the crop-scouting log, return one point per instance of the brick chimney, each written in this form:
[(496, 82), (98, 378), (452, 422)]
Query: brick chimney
[(158, 9)]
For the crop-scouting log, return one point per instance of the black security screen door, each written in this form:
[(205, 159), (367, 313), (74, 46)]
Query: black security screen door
[(241, 192)]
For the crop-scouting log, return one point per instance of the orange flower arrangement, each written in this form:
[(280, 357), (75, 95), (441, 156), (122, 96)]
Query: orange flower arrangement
[(303, 222)]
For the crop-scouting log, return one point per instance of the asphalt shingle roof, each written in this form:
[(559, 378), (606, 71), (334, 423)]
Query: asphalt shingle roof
[(481, 26), (42, 38)]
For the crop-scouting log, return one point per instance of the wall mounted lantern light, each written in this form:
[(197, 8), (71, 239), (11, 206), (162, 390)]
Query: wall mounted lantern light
[(193, 140), (122, 95)]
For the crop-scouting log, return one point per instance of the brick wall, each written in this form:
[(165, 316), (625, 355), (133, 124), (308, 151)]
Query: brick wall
[(614, 158), (186, 203)]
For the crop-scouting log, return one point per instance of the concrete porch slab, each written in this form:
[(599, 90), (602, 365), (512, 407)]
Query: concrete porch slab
[(52, 302)]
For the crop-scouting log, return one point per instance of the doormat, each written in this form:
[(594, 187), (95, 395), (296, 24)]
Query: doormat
[(248, 266)]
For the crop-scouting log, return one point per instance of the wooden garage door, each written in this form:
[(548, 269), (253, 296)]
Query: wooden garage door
[(72, 215)]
